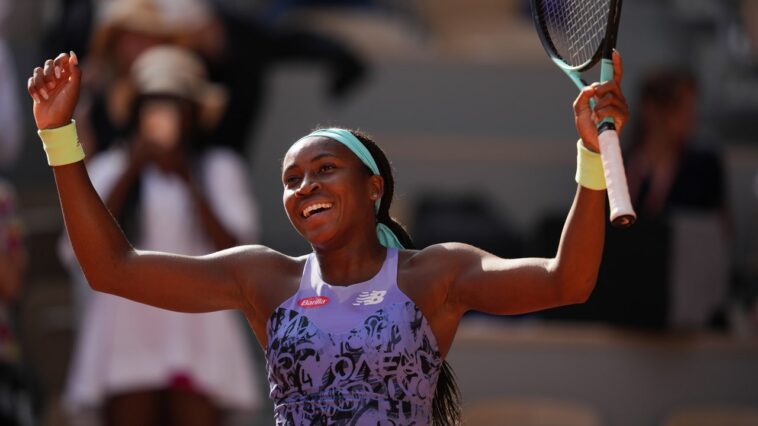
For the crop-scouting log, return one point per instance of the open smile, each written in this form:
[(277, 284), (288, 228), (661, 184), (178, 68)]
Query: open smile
[(317, 208)]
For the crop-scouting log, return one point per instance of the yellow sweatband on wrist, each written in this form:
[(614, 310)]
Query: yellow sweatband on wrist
[(61, 145), (589, 168)]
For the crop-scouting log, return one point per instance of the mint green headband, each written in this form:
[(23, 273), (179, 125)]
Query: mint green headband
[(385, 235)]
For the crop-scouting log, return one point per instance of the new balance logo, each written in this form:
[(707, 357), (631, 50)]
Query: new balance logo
[(370, 297)]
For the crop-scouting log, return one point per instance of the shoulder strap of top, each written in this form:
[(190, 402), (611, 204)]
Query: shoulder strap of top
[(389, 269), (310, 273)]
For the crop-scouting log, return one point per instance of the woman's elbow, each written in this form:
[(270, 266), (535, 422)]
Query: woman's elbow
[(578, 298), (577, 290), (106, 277), (100, 282)]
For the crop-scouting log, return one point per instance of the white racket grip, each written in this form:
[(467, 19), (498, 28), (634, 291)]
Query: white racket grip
[(622, 213)]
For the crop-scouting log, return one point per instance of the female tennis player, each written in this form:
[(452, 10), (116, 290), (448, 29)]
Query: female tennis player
[(357, 331)]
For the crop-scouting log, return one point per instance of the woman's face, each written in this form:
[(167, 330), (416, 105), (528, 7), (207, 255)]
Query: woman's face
[(329, 193)]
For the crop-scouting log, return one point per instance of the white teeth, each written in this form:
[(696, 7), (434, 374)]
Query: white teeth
[(308, 210)]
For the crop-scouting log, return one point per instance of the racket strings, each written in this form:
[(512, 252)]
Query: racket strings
[(575, 27)]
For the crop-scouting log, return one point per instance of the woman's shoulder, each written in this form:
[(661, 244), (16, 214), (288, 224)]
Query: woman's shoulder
[(438, 263), (450, 253), (426, 277), (268, 276), (263, 260)]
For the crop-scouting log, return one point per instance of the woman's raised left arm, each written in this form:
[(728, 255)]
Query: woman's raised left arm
[(484, 282)]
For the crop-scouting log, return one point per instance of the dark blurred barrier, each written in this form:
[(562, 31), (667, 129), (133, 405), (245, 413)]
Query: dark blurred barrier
[(632, 288), (20, 396), (468, 218)]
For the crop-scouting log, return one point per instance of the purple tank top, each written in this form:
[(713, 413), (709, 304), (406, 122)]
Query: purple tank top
[(351, 355)]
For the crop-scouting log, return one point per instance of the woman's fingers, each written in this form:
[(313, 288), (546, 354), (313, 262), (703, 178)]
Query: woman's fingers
[(54, 87), (582, 102), (618, 67), (598, 102), (48, 75), (38, 81), (610, 99), (611, 88), (32, 90), (52, 75), (71, 64), (618, 113), (610, 102), (584, 117), (60, 64)]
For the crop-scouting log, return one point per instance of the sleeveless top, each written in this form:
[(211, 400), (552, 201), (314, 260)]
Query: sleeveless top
[(361, 354)]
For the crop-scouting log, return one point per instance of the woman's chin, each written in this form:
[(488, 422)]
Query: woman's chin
[(318, 236), (318, 229)]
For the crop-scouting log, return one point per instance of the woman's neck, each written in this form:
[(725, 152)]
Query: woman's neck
[(351, 264)]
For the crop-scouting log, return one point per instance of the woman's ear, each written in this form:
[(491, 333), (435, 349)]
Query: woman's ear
[(376, 187)]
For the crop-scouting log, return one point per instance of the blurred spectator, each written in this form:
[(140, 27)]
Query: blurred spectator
[(142, 365), (122, 30), (238, 50), (678, 188), (670, 269), (666, 170), (20, 403), (249, 51), (10, 118)]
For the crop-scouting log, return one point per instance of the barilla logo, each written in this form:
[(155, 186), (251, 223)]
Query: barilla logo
[(313, 302)]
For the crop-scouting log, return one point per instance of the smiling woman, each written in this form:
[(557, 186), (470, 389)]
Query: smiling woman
[(357, 331)]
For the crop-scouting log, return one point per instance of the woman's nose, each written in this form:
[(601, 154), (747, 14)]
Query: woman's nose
[(308, 186)]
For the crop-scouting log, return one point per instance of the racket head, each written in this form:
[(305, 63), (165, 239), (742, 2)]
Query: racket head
[(576, 34), (611, 31)]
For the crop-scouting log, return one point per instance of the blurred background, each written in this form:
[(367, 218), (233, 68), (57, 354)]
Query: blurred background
[(479, 127)]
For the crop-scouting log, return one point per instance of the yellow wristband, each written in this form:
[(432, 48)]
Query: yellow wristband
[(589, 168), (61, 145)]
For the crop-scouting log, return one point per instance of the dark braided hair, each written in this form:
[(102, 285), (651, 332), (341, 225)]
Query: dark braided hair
[(446, 406)]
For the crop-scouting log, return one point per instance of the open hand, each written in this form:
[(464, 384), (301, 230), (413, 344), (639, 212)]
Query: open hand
[(55, 91)]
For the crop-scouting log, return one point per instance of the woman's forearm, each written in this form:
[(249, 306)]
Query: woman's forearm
[(99, 244), (580, 250)]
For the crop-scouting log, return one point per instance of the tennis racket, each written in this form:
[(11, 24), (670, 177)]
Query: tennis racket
[(577, 34)]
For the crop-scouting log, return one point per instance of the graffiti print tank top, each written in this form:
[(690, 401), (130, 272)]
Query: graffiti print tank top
[(351, 355)]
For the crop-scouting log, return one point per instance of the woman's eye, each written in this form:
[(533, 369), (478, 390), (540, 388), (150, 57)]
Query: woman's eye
[(291, 180), (326, 168)]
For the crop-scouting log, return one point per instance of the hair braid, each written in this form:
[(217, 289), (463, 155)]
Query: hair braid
[(446, 406)]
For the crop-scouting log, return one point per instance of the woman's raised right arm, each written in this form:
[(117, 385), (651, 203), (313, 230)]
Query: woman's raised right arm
[(110, 263)]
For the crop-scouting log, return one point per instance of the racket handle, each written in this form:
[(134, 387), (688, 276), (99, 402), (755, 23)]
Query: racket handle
[(622, 213)]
